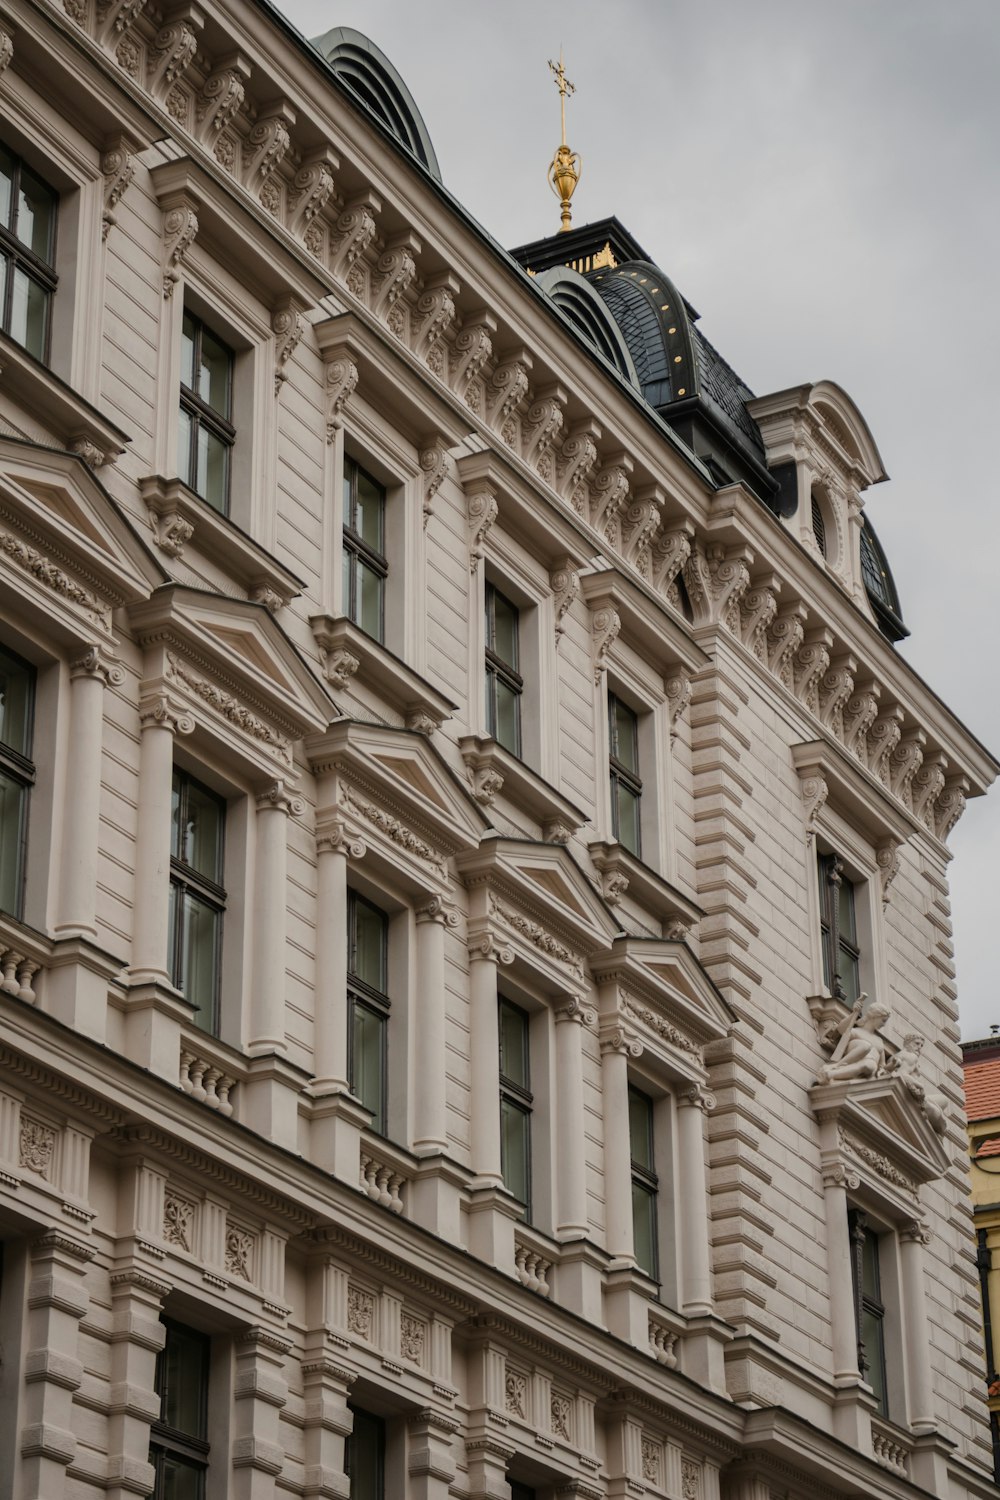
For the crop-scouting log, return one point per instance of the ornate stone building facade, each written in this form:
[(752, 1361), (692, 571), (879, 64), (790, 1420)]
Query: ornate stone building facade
[(457, 785)]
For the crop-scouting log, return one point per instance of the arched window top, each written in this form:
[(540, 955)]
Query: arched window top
[(581, 306), (371, 77), (879, 586)]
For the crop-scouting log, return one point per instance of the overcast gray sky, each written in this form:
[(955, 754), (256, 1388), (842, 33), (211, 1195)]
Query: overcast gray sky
[(821, 181)]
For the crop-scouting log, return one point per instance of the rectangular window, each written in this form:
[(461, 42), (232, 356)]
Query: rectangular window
[(205, 432), (197, 896), (368, 1005), (28, 210), (364, 1456), (17, 774), (515, 1103), (504, 683), (644, 1182), (869, 1310), (178, 1447), (838, 929), (365, 565), (626, 787)]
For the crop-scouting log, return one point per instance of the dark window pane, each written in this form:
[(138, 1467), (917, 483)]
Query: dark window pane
[(625, 736), (850, 976), (872, 1336), (29, 312), (644, 1227), (182, 1479), (185, 427), (36, 215), (201, 929), (368, 944), (365, 1457), (188, 335), (504, 634), (212, 468), (506, 728), (369, 510), (640, 1127), (13, 812), (16, 693), (847, 910), (214, 373), (368, 610), (515, 1149), (368, 1050), (626, 816), (199, 820), (514, 1045), (182, 1380), (6, 188)]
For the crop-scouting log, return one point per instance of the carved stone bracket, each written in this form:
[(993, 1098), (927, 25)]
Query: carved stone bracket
[(486, 783), (341, 379), (784, 640), (670, 552), (815, 790), (433, 456), (267, 145), (544, 420), (222, 94), (288, 324), (564, 582), (605, 628), (398, 270), (483, 511), (610, 494), (508, 387), (577, 458), (356, 228), (312, 189), (812, 662), (174, 47), (834, 691), (887, 860), (758, 607), (473, 347), (435, 311), (117, 169), (6, 50), (678, 690)]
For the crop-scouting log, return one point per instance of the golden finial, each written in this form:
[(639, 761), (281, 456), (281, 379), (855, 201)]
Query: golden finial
[(564, 168)]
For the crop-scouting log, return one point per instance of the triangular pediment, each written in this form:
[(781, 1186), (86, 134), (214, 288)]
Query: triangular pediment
[(64, 520), (193, 636), (400, 772), (884, 1127), (548, 885), (667, 987)]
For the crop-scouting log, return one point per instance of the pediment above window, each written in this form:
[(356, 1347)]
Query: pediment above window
[(658, 992), (233, 669), (545, 534), (396, 796), (640, 618), (349, 651), (495, 772), (874, 1131), (537, 899), (829, 776), (622, 873), (65, 548)]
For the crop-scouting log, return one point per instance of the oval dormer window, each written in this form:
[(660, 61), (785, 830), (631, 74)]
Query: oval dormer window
[(818, 525)]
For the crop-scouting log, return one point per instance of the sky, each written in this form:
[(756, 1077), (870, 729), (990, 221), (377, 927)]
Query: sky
[(821, 182)]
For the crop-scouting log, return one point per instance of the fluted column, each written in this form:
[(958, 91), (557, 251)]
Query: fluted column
[(920, 1397), (617, 1047), (429, 1050), (334, 845), (696, 1269), (160, 720), (82, 803), (267, 1004), (484, 1047), (571, 1166)]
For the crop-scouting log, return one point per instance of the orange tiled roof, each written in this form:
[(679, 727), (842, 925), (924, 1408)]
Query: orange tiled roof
[(982, 1089)]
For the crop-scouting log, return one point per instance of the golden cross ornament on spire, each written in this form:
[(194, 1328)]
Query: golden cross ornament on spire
[(564, 168)]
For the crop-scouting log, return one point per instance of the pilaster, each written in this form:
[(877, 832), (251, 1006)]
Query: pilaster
[(57, 1300)]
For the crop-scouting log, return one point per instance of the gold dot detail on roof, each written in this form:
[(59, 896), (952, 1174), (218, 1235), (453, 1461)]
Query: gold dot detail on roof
[(653, 291), (665, 307), (671, 330), (682, 392), (677, 359), (642, 280)]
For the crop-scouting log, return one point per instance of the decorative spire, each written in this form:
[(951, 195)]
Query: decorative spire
[(564, 168)]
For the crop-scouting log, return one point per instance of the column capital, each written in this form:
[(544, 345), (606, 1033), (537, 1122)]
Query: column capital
[(618, 1040), (336, 838), (277, 797), (55, 1242), (696, 1097), (442, 1422), (439, 910), (489, 948), (915, 1232), (98, 663), (160, 711), (576, 1009), (837, 1175)]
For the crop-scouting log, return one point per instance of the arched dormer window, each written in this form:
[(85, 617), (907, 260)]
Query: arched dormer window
[(371, 77), (879, 585), (589, 317), (818, 524)]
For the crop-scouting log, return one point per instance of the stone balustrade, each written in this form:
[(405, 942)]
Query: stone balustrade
[(533, 1269), (890, 1448), (204, 1080)]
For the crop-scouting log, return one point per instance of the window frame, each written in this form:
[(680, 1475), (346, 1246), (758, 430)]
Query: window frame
[(185, 879), (354, 545), (20, 769), (619, 774), (868, 1304), (518, 1096), (192, 1449), (360, 992), (43, 273), (645, 1180), (498, 670), (377, 1426), (202, 414), (833, 943)]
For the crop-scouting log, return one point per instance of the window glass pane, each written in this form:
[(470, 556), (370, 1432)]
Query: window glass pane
[(200, 840), (625, 739), (36, 215), (201, 927), (627, 815), (640, 1128), (850, 977), (349, 606), (515, 1149), (187, 351), (29, 307), (871, 1337), (369, 601), (368, 1044), (185, 426), (369, 944), (350, 470), (869, 1267), (213, 469), (214, 373), (644, 1227), (6, 188), (181, 1381), (514, 1045), (504, 641), (16, 684), (13, 807), (847, 929), (369, 509), (507, 711), (181, 1480), (365, 1454)]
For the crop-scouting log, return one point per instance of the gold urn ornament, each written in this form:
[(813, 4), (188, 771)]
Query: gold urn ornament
[(565, 166)]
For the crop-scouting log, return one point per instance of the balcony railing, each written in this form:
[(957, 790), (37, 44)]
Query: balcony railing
[(891, 1448)]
